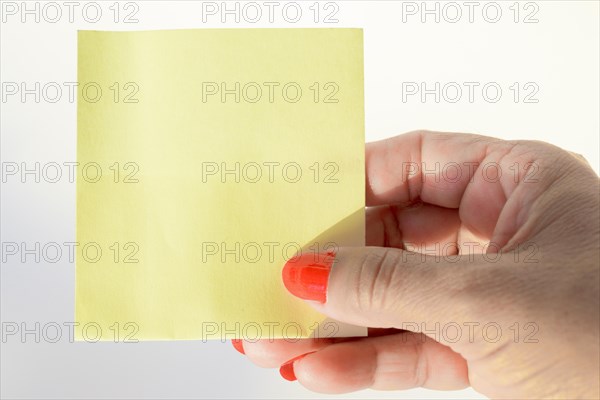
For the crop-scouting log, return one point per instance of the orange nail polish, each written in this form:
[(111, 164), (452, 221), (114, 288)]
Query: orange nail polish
[(306, 276), (238, 345), (287, 368)]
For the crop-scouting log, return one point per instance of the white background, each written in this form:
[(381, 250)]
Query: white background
[(559, 54)]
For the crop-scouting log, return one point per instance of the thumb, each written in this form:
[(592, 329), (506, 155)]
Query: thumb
[(391, 288)]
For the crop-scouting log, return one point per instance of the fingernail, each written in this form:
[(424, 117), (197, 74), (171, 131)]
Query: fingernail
[(306, 276), (287, 368), (238, 345)]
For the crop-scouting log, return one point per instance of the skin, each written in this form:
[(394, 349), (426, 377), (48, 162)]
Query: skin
[(539, 281)]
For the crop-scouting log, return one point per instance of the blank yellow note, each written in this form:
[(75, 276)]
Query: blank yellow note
[(208, 158)]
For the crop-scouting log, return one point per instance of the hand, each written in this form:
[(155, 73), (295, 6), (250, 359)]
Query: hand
[(505, 298)]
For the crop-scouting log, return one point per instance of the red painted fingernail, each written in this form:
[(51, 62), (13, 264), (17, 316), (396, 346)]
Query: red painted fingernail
[(306, 276), (287, 368), (238, 344)]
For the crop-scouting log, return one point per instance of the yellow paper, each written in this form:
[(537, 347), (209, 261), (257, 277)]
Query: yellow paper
[(169, 246)]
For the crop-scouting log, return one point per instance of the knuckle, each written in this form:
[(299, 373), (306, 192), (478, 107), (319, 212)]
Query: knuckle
[(378, 280)]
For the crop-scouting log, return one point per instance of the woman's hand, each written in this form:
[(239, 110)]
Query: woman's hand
[(483, 263)]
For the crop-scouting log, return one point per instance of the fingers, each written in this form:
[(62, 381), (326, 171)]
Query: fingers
[(398, 361), (407, 167), (273, 353), (395, 362), (472, 173)]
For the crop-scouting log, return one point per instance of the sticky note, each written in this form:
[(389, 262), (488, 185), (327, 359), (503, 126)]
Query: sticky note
[(206, 159)]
